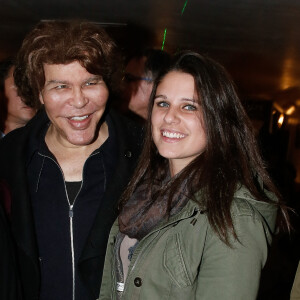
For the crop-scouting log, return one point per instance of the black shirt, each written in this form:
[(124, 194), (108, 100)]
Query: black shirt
[(62, 226)]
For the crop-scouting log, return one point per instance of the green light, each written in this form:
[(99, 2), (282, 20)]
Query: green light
[(184, 7), (163, 43)]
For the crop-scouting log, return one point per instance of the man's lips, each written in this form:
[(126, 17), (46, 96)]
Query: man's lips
[(80, 122), (78, 118)]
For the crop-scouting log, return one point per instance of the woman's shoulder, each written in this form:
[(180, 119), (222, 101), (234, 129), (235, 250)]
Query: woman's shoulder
[(246, 206), (244, 203)]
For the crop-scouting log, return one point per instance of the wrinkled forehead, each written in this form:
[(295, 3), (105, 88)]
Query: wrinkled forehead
[(69, 70)]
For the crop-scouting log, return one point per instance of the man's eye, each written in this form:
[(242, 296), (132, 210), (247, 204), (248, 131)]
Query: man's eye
[(91, 83), (190, 107), (61, 86)]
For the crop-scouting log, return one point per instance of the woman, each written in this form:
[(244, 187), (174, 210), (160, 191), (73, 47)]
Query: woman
[(198, 216)]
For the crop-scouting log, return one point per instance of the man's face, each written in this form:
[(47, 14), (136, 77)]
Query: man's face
[(17, 111), (137, 87), (75, 101)]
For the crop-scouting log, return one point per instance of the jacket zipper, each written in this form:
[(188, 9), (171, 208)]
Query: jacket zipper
[(138, 258), (72, 248), (71, 214), (157, 231)]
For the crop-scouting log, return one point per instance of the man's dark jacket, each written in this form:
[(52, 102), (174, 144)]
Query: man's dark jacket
[(9, 279), (13, 171)]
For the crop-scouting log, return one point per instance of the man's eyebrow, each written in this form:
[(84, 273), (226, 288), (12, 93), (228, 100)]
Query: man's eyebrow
[(53, 81), (96, 77)]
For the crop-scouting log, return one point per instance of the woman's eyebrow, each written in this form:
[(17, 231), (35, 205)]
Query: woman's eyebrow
[(160, 96), (189, 100)]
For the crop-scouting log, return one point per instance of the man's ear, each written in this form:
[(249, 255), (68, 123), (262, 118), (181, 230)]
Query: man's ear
[(41, 98)]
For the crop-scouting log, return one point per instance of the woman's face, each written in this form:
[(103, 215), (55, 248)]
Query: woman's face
[(177, 121)]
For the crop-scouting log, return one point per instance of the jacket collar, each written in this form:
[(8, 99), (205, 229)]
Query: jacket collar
[(191, 209)]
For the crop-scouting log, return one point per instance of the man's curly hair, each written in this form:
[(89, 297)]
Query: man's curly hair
[(63, 42)]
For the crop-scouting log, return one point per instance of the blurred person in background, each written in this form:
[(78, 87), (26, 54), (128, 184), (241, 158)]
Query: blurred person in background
[(14, 113), (139, 75)]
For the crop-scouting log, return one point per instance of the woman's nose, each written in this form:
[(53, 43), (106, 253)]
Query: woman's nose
[(171, 115)]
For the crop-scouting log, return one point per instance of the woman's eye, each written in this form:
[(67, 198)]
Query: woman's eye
[(190, 107), (162, 104)]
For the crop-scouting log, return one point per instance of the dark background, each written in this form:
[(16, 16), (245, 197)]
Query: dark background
[(258, 41)]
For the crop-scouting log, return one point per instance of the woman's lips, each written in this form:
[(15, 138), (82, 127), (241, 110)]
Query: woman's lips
[(172, 134)]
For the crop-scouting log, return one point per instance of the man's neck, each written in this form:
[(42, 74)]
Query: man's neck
[(71, 159)]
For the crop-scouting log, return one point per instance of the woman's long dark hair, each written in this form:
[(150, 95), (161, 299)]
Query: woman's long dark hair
[(231, 158)]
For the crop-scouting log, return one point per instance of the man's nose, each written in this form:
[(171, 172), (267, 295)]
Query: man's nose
[(79, 99)]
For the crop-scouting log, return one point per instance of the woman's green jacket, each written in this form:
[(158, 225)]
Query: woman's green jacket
[(183, 258)]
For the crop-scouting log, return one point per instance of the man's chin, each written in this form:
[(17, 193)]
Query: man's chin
[(81, 142), (81, 139)]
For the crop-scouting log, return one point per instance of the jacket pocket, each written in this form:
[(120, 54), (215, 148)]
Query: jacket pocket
[(174, 262)]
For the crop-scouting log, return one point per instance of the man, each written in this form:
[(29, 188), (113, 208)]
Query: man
[(14, 113), (69, 165), (140, 72)]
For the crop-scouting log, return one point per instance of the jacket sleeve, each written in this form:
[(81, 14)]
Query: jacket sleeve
[(233, 273), (106, 285), (295, 293), (107, 290)]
